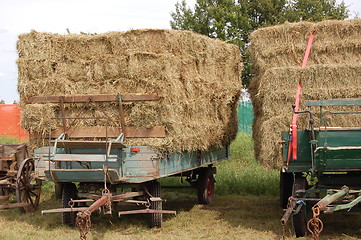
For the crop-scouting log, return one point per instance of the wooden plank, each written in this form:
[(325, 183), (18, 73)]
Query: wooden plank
[(72, 99), (99, 132), (121, 115), (14, 205), (95, 98), (87, 144), (87, 132)]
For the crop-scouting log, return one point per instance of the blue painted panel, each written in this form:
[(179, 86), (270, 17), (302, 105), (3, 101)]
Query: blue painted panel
[(142, 165), (95, 175)]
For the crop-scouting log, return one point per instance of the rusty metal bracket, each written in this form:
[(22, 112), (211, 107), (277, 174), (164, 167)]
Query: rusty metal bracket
[(147, 210), (290, 206), (83, 221)]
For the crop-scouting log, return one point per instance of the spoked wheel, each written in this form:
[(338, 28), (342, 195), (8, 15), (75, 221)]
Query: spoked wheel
[(28, 188), (205, 186), (69, 192), (299, 219), (155, 219)]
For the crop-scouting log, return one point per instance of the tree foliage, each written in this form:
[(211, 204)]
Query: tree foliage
[(234, 20)]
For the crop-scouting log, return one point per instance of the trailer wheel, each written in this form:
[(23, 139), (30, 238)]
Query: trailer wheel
[(205, 186), (58, 190), (286, 185), (28, 187), (155, 219), (69, 192), (299, 219)]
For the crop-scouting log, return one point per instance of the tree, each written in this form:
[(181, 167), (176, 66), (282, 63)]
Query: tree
[(2, 101), (233, 21), (315, 10)]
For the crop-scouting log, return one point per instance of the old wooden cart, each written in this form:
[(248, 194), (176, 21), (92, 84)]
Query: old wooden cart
[(95, 171), (325, 170), (19, 185)]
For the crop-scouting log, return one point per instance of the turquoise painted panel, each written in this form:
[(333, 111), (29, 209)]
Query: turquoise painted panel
[(79, 175), (143, 164), (245, 117)]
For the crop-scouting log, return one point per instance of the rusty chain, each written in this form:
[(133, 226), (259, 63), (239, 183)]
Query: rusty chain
[(83, 223), (108, 204), (315, 225)]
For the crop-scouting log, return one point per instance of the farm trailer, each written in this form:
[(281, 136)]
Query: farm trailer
[(93, 171), (321, 166), (20, 187)]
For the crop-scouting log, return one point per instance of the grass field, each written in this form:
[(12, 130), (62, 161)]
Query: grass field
[(6, 139), (246, 207)]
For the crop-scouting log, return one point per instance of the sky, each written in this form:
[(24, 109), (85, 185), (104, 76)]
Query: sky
[(90, 16)]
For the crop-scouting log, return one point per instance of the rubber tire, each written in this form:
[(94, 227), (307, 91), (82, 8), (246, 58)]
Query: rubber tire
[(299, 220), (58, 190), (155, 219), (69, 192), (286, 186), (205, 186)]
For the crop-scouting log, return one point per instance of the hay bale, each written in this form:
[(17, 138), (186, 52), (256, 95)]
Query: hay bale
[(335, 42), (197, 78), (333, 71)]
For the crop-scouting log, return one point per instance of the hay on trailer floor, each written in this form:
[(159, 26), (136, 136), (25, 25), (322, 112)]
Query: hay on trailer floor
[(333, 71), (197, 79)]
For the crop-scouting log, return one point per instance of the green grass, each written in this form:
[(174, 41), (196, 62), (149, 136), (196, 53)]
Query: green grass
[(8, 139), (229, 217), (246, 207), (241, 174)]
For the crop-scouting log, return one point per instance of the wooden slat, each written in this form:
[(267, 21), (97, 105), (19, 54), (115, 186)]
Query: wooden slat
[(14, 205), (87, 132), (95, 98), (88, 144), (99, 132)]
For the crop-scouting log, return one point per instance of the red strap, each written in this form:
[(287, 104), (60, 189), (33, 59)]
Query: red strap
[(308, 49), (293, 136), (294, 121)]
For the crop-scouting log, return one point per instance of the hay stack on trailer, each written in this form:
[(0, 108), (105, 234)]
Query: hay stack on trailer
[(333, 71), (197, 79)]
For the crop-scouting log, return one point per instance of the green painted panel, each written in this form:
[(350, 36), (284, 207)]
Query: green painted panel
[(303, 163), (245, 117)]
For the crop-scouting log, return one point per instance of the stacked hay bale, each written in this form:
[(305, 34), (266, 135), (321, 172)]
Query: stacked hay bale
[(197, 79), (333, 71)]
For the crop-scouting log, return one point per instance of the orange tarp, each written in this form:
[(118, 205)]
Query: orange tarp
[(10, 122)]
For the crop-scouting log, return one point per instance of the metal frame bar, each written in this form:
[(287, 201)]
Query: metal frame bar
[(132, 97), (334, 102)]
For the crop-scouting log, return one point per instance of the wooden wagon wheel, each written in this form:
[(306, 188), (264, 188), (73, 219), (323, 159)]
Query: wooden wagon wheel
[(27, 186)]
